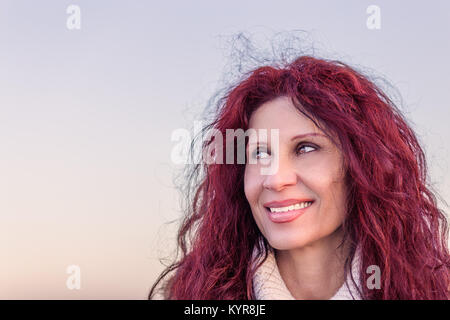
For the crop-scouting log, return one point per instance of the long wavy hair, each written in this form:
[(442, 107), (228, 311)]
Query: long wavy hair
[(392, 216)]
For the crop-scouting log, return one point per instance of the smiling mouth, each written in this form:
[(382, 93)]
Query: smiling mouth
[(288, 213)]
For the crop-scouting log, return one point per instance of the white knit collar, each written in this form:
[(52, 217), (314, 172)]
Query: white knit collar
[(268, 284)]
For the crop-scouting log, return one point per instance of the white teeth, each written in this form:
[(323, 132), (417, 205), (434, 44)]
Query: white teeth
[(292, 207)]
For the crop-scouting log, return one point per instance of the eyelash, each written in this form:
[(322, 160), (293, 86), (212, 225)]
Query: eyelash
[(299, 146)]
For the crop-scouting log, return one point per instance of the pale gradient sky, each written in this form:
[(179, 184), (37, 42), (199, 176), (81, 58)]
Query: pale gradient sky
[(86, 118)]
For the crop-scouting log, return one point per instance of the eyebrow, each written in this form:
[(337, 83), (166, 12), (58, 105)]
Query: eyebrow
[(307, 135), (298, 136)]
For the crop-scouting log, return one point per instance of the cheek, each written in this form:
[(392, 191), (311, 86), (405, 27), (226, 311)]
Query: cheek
[(324, 174), (251, 185), (326, 181), (333, 194)]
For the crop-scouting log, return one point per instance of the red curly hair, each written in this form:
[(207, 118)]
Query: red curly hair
[(392, 214)]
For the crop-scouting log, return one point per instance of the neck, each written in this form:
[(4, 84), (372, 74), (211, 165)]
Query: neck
[(315, 271)]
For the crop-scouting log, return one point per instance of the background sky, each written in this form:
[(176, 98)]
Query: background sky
[(86, 118)]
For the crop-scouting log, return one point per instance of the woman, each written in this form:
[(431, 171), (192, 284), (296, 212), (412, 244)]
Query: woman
[(346, 214)]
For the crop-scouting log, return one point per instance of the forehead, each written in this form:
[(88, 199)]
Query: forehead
[(281, 114)]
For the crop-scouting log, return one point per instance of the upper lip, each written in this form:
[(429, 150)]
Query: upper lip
[(285, 203)]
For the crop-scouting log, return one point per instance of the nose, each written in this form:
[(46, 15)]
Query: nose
[(285, 176)]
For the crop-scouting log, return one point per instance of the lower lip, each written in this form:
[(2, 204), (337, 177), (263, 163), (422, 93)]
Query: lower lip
[(283, 217)]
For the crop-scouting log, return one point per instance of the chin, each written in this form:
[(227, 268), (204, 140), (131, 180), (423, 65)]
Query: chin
[(284, 242)]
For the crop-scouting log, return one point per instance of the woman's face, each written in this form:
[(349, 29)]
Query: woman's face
[(310, 168)]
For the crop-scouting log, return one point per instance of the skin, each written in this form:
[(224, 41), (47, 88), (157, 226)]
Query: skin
[(306, 249)]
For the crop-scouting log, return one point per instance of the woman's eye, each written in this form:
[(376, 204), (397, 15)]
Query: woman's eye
[(306, 147), (260, 153)]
